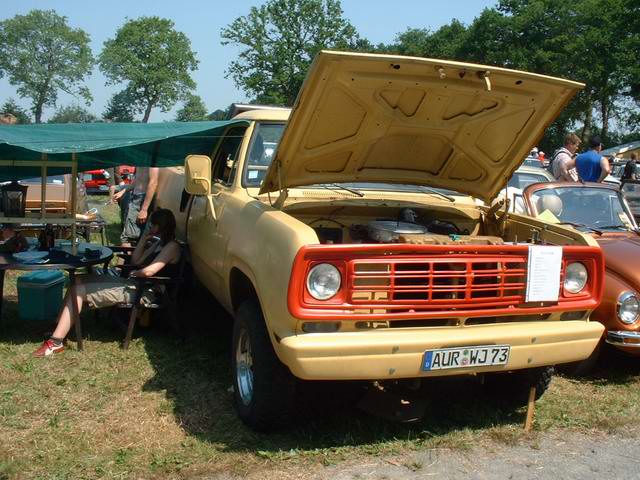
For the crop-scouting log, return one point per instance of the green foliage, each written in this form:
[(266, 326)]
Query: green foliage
[(120, 107), (153, 60), (279, 40), (592, 41), (73, 114), (42, 55), (421, 42), (10, 106), (193, 110)]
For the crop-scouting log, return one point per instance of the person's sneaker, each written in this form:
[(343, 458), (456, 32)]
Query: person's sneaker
[(47, 348)]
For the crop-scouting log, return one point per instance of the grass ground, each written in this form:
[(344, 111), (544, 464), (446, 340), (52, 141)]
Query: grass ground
[(163, 408)]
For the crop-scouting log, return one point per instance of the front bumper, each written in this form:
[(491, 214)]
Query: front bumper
[(623, 338), (397, 353)]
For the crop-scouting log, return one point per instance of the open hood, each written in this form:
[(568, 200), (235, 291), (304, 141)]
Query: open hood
[(394, 119)]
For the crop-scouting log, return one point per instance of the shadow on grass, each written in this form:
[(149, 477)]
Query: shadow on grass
[(95, 326), (195, 376), (613, 368)]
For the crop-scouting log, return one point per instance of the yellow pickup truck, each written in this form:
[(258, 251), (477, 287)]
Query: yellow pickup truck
[(347, 237)]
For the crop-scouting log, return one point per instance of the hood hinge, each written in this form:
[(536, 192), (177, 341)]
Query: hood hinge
[(284, 192)]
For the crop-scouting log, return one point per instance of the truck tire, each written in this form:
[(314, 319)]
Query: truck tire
[(264, 388), (512, 388)]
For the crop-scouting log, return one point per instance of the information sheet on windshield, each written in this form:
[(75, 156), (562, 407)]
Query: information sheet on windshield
[(543, 273)]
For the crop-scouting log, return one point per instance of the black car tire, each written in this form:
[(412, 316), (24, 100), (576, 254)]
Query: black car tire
[(268, 403)]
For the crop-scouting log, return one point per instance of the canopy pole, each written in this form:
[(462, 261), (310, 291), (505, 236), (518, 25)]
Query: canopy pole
[(74, 199), (43, 187)]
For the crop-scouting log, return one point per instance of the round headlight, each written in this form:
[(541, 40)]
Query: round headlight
[(575, 277), (323, 281), (628, 307)]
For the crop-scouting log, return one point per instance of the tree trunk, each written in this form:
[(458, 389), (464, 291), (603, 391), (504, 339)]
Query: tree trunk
[(605, 119), (588, 119), (147, 113), (38, 112)]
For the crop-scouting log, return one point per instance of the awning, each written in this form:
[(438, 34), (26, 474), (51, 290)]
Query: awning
[(103, 145)]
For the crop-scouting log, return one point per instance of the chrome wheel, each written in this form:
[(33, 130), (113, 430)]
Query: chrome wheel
[(244, 367)]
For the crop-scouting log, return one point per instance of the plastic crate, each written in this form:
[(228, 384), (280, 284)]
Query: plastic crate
[(40, 294)]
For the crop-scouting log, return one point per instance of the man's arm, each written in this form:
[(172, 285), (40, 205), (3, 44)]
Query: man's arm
[(148, 197), (606, 168), (567, 163)]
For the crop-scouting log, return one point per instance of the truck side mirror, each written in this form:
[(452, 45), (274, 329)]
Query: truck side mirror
[(197, 174)]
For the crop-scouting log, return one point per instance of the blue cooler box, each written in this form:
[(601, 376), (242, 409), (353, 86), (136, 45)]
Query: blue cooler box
[(40, 294)]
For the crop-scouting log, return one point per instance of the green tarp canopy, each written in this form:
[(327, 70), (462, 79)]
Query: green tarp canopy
[(103, 145)]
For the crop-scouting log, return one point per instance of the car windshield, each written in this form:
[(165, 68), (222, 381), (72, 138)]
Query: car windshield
[(522, 180), (265, 140), (585, 208)]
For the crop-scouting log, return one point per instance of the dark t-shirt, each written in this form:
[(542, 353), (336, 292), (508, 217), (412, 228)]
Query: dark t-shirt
[(629, 170), (588, 166)]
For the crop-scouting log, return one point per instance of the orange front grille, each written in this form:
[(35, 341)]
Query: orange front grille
[(433, 281), (437, 283)]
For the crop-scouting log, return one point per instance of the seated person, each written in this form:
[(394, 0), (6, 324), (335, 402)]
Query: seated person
[(100, 291)]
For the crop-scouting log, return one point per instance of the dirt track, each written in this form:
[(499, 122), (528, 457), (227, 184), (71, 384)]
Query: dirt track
[(545, 456)]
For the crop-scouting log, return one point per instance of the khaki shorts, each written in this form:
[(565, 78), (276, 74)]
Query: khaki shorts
[(106, 291)]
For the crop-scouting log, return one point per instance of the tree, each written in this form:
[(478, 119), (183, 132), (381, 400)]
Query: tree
[(193, 110), (73, 114), (10, 106), (421, 42), (120, 107), (42, 55), (153, 60), (279, 40)]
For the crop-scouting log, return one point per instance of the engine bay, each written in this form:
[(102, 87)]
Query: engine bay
[(399, 224)]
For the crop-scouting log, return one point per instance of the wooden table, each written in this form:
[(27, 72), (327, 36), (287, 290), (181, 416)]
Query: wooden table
[(8, 262)]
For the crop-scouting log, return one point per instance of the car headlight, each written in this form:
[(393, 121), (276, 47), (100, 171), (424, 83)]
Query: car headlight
[(323, 281), (575, 277), (628, 307)]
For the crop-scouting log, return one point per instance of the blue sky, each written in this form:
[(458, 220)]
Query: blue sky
[(202, 20)]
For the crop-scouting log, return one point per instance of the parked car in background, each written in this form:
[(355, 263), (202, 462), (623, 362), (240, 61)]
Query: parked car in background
[(600, 211), (96, 181), (631, 191), (521, 179), (57, 195), (126, 172)]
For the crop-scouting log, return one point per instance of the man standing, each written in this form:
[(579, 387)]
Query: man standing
[(591, 166), (630, 168), (142, 191), (563, 165)]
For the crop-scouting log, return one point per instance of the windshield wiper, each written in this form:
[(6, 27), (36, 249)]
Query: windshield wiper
[(580, 225), (435, 192), (342, 187), (610, 227)]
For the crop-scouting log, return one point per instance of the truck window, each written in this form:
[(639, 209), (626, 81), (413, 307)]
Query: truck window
[(264, 142), (225, 161)]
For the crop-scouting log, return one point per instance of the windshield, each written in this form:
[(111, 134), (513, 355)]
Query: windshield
[(265, 140), (522, 180), (590, 208)]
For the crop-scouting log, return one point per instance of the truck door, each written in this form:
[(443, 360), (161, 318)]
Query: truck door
[(207, 240)]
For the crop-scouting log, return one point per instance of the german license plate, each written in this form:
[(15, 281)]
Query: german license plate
[(464, 357), (103, 188)]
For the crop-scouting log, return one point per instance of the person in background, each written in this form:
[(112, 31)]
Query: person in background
[(591, 166), (98, 291), (563, 163), (141, 193), (629, 172)]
